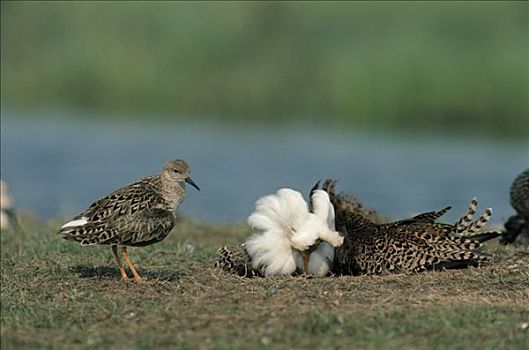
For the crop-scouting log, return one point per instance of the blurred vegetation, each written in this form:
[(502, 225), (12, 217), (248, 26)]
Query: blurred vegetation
[(447, 66)]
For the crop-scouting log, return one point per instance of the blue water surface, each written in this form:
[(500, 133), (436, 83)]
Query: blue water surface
[(56, 167)]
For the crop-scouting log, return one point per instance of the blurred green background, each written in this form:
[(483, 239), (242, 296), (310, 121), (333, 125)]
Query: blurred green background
[(454, 66)]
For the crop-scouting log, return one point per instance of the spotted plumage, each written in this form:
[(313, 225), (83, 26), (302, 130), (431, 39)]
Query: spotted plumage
[(518, 225), (138, 214), (236, 260), (409, 245)]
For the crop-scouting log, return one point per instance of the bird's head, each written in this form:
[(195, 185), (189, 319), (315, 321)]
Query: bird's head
[(178, 171)]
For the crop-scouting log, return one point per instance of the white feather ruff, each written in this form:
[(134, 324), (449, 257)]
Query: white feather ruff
[(287, 229)]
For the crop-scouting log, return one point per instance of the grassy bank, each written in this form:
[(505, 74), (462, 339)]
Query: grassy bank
[(56, 294)]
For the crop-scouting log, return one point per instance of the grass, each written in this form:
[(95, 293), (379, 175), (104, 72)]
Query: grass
[(56, 294)]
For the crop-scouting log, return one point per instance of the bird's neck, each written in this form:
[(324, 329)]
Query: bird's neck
[(172, 192)]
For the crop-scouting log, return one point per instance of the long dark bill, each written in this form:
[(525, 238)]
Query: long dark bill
[(192, 183)]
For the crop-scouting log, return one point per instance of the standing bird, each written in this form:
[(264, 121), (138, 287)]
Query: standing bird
[(518, 224), (292, 238), (410, 245), (138, 214)]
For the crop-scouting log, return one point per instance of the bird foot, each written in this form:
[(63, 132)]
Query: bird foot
[(124, 276)]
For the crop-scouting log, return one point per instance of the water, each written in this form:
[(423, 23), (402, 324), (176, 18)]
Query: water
[(57, 167)]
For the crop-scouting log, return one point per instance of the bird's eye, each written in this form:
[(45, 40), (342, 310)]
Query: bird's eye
[(176, 171)]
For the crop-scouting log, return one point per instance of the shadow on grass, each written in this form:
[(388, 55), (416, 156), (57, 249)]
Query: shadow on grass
[(107, 272)]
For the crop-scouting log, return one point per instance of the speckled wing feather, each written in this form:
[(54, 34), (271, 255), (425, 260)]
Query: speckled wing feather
[(518, 224), (409, 245), (236, 260), (146, 227), (403, 246), (126, 200), (134, 215)]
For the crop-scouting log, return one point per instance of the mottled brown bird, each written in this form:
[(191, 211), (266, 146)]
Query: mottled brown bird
[(136, 215), (518, 225), (410, 245)]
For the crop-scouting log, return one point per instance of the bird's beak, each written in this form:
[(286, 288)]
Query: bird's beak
[(306, 257), (189, 181)]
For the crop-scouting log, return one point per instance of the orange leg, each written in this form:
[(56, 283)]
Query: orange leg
[(137, 277), (124, 276), (306, 257)]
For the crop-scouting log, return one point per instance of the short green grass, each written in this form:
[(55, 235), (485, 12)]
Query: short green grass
[(56, 294)]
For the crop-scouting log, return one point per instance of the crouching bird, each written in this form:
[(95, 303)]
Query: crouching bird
[(410, 245), (292, 237), (135, 215)]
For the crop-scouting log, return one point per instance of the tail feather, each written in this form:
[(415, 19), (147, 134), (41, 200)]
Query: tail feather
[(464, 222), (453, 253), (432, 216), (467, 228), (329, 186), (462, 264), (480, 223), (312, 190), (484, 236)]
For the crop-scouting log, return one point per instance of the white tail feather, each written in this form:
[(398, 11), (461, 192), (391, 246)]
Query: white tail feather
[(75, 223)]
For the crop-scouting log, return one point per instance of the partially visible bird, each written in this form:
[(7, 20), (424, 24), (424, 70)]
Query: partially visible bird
[(138, 214), (292, 238), (236, 260), (518, 225), (8, 214), (409, 245)]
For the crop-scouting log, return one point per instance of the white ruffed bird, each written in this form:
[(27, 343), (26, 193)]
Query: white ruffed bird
[(293, 238)]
